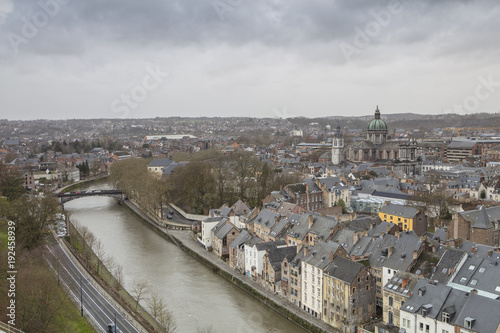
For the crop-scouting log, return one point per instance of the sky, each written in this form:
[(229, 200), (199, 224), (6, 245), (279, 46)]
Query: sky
[(63, 59)]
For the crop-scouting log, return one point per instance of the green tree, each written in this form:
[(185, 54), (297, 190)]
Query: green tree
[(10, 183), (483, 194)]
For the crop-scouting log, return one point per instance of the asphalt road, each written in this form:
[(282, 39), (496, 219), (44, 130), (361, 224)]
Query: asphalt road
[(96, 306)]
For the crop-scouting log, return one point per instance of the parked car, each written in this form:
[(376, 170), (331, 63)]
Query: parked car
[(170, 216)]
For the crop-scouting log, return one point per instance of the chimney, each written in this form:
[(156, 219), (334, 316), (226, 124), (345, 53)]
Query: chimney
[(398, 234), (355, 237), (390, 251), (474, 291), (372, 225), (311, 220), (473, 249), (331, 256), (388, 228), (404, 282), (415, 254), (306, 249), (307, 197)]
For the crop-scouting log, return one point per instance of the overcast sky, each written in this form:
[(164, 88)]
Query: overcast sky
[(262, 58)]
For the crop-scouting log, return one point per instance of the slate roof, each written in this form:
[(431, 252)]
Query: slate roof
[(222, 229), (269, 245), (242, 238), (321, 226), (343, 269), (277, 255), (402, 283), (319, 255), (266, 218), (425, 294), (481, 309), (399, 210), (240, 208), (481, 274), (380, 228), (482, 217), (171, 167), (447, 265), (345, 237), (160, 162), (279, 228)]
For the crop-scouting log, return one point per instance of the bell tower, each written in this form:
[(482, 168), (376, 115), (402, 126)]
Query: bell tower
[(337, 146)]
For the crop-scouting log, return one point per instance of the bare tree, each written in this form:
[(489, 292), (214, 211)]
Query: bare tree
[(119, 277), (139, 290), (158, 309)]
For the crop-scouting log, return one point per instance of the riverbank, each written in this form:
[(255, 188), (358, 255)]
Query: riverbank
[(90, 180), (184, 241)]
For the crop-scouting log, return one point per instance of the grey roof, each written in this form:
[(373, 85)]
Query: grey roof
[(242, 238), (269, 245), (331, 183), (222, 230), (427, 294), (171, 167), (240, 208), (461, 144), (380, 228), (319, 255), (343, 269), (447, 265), (482, 217), (345, 237), (399, 210), (402, 254), (481, 274), (483, 310), (402, 283), (160, 162), (476, 250), (322, 226), (279, 228), (266, 218), (277, 255)]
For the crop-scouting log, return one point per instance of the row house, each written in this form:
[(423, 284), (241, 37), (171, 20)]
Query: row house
[(334, 189), (274, 259), (254, 256), (307, 195), (223, 234), (348, 294), (311, 228), (407, 218), (314, 263)]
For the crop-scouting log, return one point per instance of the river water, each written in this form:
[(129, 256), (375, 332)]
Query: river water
[(197, 298)]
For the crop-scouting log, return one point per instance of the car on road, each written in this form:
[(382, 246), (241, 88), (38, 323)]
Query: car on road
[(112, 329), (170, 216)]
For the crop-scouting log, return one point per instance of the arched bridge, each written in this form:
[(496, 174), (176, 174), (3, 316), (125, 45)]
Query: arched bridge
[(68, 196)]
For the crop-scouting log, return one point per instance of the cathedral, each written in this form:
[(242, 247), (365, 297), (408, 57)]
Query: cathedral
[(377, 148)]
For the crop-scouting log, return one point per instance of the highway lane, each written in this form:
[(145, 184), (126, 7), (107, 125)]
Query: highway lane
[(95, 305)]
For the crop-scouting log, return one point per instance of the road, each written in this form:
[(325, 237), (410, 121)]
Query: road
[(97, 308)]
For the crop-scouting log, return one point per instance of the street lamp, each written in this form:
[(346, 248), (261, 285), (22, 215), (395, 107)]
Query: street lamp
[(116, 327), (81, 296)]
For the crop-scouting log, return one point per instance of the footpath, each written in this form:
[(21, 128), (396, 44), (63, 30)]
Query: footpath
[(185, 241)]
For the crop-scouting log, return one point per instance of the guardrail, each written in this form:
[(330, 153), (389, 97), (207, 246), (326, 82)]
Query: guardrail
[(5, 328), (194, 217)]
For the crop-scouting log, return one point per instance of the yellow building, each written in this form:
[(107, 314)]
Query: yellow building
[(407, 218)]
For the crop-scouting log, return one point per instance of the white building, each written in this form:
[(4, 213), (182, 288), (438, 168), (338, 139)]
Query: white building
[(205, 236), (254, 256)]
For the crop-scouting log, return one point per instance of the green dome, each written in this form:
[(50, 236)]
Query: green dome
[(377, 124)]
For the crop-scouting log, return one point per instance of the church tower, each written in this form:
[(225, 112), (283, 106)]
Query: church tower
[(377, 130), (337, 147)]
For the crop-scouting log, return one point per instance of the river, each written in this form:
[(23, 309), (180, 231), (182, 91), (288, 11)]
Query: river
[(197, 298)]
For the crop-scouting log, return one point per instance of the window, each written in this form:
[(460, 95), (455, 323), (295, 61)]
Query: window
[(404, 322), (391, 300), (353, 290), (389, 270), (367, 287), (426, 328), (446, 317)]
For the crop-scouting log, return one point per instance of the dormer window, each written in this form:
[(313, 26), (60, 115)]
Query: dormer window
[(446, 317), (468, 322)]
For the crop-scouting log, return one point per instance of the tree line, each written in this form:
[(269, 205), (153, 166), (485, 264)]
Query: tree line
[(201, 184)]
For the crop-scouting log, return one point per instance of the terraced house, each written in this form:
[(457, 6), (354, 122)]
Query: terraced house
[(407, 218)]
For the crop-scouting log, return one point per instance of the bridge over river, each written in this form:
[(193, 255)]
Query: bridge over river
[(68, 196)]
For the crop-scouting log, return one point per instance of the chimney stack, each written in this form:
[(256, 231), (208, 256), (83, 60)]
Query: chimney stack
[(311, 220), (415, 254), (331, 256), (388, 228), (390, 251)]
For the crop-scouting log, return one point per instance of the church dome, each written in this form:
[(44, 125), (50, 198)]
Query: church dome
[(377, 124)]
